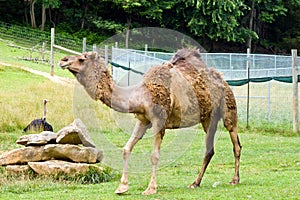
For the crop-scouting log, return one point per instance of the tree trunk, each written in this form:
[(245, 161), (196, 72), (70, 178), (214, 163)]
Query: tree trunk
[(85, 9), (251, 24), (25, 15), (128, 31), (32, 15), (50, 18), (43, 17)]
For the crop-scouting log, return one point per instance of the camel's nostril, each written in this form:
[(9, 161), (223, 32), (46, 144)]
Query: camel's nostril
[(64, 59)]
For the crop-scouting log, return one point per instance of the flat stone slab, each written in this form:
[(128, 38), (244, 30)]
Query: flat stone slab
[(17, 169), (53, 167), (43, 138), (65, 152), (75, 133)]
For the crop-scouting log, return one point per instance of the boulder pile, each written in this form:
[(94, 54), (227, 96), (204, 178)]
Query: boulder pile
[(69, 151)]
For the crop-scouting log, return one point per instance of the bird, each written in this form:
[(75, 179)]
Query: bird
[(39, 125)]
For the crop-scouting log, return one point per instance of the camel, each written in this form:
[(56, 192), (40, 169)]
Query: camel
[(177, 94)]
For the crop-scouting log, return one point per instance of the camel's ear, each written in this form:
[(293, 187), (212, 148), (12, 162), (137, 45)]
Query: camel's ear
[(92, 55)]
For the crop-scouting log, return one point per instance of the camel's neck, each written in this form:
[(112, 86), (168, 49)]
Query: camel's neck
[(100, 86)]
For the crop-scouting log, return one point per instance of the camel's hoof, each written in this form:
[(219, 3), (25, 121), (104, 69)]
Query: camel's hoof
[(234, 182), (121, 189), (149, 191), (193, 185)]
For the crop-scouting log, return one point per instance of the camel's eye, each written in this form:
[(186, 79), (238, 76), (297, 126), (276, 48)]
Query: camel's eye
[(81, 58)]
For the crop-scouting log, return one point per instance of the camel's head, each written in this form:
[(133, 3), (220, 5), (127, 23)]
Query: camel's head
[(190, 55), (78, 64)]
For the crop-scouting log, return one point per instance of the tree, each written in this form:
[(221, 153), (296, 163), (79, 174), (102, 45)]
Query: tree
[(286, 31), (217, 19), (262, 15), (46, 4), (32, 13), (149, 9), (212, 20)]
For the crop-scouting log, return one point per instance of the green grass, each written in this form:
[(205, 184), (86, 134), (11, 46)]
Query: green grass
[(269, 170), (21, 100), (270, 163)]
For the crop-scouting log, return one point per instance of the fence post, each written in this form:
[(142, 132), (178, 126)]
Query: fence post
[(43, 51), (230, 65), (84, 45), (106, 54), (295, 91), (52, 53), (94, 47), (248, 85), (145, 53)]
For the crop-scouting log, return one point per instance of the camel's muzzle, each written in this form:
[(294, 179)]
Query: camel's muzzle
[(63, 65)]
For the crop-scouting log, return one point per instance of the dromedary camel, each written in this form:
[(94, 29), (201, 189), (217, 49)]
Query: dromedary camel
[(164, 101)]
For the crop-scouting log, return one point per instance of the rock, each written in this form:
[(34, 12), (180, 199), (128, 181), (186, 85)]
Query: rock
[(65, 152), (21, 156), (72, 152), (75, 133), (54, 167), (17, 169), (43, 138), (68, 135)]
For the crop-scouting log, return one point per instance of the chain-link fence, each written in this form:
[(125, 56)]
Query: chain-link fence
[(37, 42), (270, 79)]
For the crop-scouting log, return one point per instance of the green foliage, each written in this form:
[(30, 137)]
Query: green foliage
[(51, 3), (207, 21), (107, 26), (130, 6), (269, 10), (217, 20), (287, 34), (92, 176)]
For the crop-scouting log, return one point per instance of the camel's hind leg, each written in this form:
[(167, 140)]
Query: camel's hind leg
[(231, 126), (237, 153), (137, 134), (210, 128)]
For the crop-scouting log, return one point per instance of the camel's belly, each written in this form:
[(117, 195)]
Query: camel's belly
[(183, 118)]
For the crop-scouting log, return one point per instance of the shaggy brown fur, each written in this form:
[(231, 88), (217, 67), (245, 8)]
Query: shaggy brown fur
[(175, 95), (158, 82)]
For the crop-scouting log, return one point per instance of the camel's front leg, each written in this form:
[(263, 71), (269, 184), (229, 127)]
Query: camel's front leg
[(137, 134), (154, 160)]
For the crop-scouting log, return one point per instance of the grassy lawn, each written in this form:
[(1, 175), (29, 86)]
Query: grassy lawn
[(270, 164), (269, 170)]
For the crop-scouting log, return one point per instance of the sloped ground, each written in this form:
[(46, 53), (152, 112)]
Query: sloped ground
[(56, 79)]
